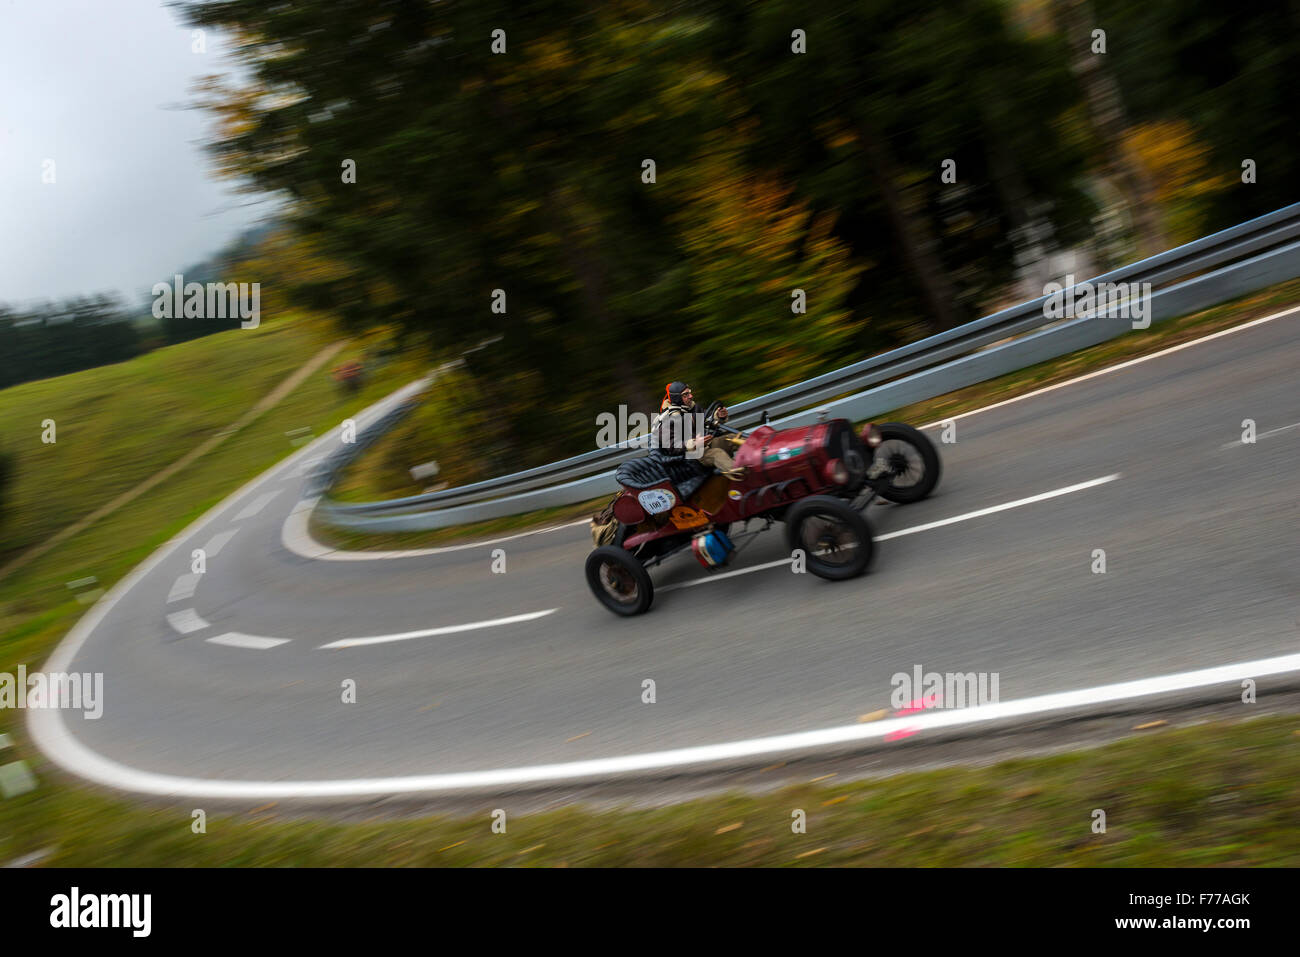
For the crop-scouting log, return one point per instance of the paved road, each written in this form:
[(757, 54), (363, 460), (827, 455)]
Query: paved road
[(1203, 569)]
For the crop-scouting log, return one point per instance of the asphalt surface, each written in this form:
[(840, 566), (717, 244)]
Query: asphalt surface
[(1203, 569)]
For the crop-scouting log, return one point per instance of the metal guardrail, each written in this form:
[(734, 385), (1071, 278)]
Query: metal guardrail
[(1200, 274)]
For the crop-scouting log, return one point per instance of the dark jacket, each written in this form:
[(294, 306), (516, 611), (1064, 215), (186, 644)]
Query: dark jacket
[(672, 428)]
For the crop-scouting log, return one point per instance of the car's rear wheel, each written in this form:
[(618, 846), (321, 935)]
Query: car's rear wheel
[(834, 537), (619, 581), (909, 461)]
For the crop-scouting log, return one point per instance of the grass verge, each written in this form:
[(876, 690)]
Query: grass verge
[(1220, 794), (507, 525)]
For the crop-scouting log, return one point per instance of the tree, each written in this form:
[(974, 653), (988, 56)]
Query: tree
[(885, 93)]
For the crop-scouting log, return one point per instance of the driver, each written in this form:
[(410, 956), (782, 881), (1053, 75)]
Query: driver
[(675, 423)]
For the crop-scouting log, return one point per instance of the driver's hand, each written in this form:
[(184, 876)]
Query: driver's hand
[(721, 414)]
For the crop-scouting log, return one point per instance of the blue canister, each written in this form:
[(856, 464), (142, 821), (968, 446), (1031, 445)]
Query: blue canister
[(712, 549)]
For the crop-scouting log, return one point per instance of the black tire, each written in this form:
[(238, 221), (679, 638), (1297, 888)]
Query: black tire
[(619, 581), (913, 474), (839, 546)]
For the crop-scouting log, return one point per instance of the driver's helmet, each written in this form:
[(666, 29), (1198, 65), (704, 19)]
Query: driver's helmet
[(673, 393)]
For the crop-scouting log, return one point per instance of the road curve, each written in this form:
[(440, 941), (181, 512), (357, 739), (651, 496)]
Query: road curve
[(231, 682)]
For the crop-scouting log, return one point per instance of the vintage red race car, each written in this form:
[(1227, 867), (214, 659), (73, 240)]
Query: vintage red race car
[(817, 479)]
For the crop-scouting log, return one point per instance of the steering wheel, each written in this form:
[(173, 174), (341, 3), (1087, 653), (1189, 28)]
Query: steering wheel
[(714, 406)]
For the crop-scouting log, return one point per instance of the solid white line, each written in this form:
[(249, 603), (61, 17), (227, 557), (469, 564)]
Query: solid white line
[(429, 632), (237, 639), (1261, 435), (295, 535), (183, 587), (94, 767), (218, 541), (257, 505), (966, 517), (186, 621), (1117, 367)]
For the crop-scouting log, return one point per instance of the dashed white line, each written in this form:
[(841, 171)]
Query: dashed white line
[(430, 632), (966, 517), (235, 639), (718, 577), (186, 621), (257, 505), (183, 587), (980, 513), (218, 541), (1261, 435)]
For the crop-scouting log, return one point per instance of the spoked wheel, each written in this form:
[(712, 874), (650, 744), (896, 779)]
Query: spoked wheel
[(619, 581), (910, 462), (834, 537)]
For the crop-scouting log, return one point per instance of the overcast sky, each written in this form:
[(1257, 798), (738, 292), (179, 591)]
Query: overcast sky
[(95, 85)]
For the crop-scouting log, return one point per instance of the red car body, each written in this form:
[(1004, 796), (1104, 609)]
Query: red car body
[(781, 467)]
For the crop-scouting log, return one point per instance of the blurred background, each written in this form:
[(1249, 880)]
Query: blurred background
[(773, 170), (638, 188)]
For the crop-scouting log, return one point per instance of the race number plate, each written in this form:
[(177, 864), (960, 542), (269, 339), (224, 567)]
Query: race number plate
[(656, 500)]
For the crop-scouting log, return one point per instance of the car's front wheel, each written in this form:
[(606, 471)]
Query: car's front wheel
[(907, 463), (619, 581), (834, 537)]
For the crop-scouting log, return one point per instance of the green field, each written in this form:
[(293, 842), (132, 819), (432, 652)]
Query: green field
[(118, 424)]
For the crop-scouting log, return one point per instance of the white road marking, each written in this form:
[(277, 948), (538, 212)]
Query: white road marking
[(56, 741), (27, 860), (1261, 435), (295, 535), (218, 541), (1127, 363), (309, 467), (429, 632), (186, 621), (966, 517), (980, 513), (237, 639), (183, 587), (718, 577), (257, 505)]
